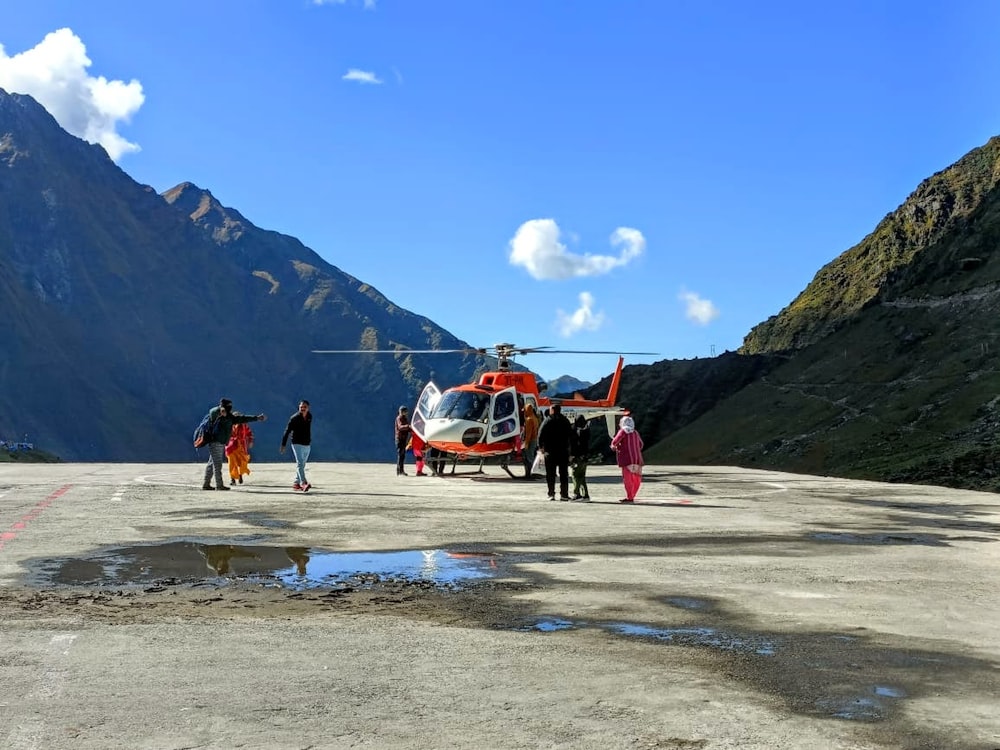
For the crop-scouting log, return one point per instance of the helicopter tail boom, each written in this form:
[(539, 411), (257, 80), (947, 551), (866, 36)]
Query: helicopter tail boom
[(616, 380), (608, 402)]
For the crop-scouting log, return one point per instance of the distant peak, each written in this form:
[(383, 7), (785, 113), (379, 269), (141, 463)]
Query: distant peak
[(187, 193), (196, 202), (203, 208)]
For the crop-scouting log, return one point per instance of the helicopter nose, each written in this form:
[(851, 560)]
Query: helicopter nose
[(454, 431)]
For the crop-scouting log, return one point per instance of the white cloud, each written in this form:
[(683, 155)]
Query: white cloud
[(698, 310), (54, 73), (582, 319), (537, 248), (361, 76)]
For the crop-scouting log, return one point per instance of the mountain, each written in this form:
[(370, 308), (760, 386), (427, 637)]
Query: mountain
[(127, 314), (884, 367), (567, 384), (940, 212)]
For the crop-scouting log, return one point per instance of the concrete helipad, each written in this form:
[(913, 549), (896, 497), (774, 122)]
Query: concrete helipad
[(728, 608)]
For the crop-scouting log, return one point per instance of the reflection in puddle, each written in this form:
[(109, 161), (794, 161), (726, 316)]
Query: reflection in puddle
[(546, 625), (291, 567), (887, 691)]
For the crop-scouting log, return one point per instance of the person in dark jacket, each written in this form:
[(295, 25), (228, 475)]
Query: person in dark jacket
[(299, 430), (555, 441), (581, 449), (222, 418), (402, 435)]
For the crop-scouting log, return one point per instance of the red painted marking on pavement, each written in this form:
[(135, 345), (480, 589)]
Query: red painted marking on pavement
[(19, 526)]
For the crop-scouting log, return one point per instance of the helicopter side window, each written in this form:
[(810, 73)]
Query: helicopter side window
[(504, 406), (426, 402), (502, 428), (504, 420)]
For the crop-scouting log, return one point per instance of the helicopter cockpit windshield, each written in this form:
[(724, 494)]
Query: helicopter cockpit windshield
[(467, 405)]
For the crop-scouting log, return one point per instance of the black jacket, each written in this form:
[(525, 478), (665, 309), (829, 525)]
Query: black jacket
[(556, 436), (581, 442), (224, 423), (299, 428)]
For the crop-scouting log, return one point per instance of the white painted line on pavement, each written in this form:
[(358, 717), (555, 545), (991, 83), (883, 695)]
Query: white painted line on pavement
[(159, 480)]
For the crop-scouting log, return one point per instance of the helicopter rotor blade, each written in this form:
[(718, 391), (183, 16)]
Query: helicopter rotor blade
[(396, 351), (586, 351), (499, 350)]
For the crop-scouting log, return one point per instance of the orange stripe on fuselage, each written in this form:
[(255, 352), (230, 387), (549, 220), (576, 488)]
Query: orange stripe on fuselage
[(479, 450)]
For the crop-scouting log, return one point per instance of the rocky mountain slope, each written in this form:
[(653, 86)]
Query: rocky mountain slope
[(884, 367), (127, 314)]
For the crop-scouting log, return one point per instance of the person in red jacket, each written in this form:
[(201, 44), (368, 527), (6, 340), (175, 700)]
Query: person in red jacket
[(418, 446)]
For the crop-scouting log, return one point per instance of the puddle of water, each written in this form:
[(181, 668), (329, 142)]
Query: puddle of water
[(696, 636), (291, 567), (860, 708), (684, 636), (888, 691), (547, 625), (687, 602)]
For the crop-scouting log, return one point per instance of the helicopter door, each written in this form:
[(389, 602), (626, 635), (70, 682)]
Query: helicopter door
[(504, 421), (425, 405)]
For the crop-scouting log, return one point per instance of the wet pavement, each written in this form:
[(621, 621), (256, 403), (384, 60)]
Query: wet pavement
[(290, 567)]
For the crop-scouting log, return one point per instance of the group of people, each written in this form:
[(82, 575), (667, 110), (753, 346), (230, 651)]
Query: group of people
[(423, 455), (559, 442), (231, 439), (562, 444)]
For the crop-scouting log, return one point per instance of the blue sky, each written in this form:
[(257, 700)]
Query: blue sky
[(641, 175)]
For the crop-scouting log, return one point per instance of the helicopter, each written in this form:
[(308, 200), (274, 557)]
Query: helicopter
[(483, 419)]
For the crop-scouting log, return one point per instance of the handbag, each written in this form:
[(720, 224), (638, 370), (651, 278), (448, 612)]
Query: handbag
[(538, 465)]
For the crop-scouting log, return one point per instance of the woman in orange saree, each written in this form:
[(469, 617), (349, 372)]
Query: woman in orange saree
[(238, 452)]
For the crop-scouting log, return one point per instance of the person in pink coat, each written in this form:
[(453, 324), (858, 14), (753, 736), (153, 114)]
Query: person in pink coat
[(628, 448)]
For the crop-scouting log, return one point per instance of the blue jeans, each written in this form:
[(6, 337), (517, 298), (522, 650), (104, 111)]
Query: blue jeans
[(301, 453)]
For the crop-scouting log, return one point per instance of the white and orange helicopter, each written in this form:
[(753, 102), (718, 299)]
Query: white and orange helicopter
[(483, 419)]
